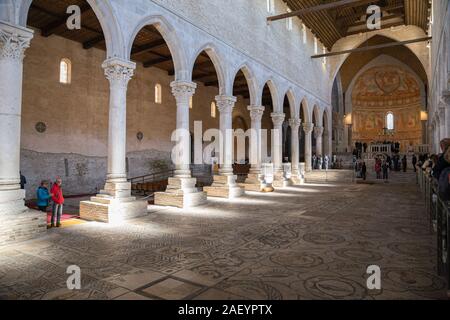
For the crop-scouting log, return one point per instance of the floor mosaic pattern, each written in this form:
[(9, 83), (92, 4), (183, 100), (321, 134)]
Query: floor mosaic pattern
[(309, 242)]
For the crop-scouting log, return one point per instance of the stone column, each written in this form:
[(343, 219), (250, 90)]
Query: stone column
[(256, 114), (224, 185), (308, 128), (318, 134), (225, 105), (255, 180), (13, 43), (119, 73), (277, 141), (442, 122), (295, 144), (183, 91), (115, 204), (181, 191), (446, 104)]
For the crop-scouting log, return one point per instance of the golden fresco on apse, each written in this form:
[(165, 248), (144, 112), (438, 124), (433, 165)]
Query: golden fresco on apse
[(385, 89)]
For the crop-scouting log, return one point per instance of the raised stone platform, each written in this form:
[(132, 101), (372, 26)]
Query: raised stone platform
[(181, 193), (224, 187), (23, 226), (326, 176)]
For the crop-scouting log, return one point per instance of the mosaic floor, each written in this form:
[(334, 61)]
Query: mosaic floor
[(309, 242)]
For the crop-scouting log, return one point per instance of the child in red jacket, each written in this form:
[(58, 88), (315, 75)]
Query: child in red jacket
[(58, 202)]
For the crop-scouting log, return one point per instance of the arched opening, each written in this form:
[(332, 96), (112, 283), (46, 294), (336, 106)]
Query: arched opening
[(287, 135), (267, 123), (304, 119), (241, 124), (64, 122)]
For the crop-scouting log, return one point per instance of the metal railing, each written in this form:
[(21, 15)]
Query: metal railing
[(438, 214)]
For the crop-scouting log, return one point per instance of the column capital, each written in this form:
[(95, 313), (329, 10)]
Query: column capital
[(183, 90), (119, 71), (256, 112), (308, 127), (295, 124), (14, 40), (225, 104), (278, 119), (318, 131)]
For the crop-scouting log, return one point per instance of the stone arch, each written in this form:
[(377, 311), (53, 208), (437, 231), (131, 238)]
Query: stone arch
[(273, 93), (292, 103), (105, 15), (252, 82), (305, 108), (172, 40), (317, 115), (218, 62)]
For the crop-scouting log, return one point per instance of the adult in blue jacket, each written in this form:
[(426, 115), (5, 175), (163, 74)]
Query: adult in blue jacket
[(43, 196)]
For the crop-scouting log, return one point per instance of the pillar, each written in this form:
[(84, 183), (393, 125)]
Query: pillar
[(277, 141), (442, 122), (181, 191), (308, 128), (225, 105), (115, 204), (318, 134), (13, 43), (183, 91), (256, 114), (119, 73), (295, 144), (17, 222)]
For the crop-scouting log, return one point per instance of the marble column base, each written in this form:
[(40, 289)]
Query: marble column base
[(297, 178), (181, 193), (280, 180), (255, 182), (224, 187), (113, 205), (18, 222)]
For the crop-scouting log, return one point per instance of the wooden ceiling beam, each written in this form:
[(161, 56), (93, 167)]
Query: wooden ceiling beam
[(379, 46), (321, 7), (383, 26), (93, 42), (151, 63), (148, 47)]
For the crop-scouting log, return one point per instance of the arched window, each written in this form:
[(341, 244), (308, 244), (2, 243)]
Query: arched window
[(305, 35), (158, 93), (213, 109), (316, 45), (191, 102), (65, 71), (390, 121)]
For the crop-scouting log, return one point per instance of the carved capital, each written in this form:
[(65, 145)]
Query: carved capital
[(256, 113), (119, 72), (278, 119), (308, 127), (183, 90), (225, 104), (14, 41), (318, 132), (295, 124)]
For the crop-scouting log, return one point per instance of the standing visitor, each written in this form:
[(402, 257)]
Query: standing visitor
[(404, 163), (414, 162), (364, 171), (441, 163), (43, 196), (58, 203), (385, 168), (378, 168)]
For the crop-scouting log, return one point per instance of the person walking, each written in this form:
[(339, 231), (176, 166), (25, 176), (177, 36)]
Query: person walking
[(43, 196), (23, 181), (378, 168), (58, 203)]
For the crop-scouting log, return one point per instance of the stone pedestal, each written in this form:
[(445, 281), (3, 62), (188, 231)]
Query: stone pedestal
[(18, 222), (224, 187), (254, 182), (280, 180), (181, 193)]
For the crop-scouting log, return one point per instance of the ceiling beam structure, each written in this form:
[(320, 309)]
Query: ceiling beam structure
[(321, 7), (368, 48)]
